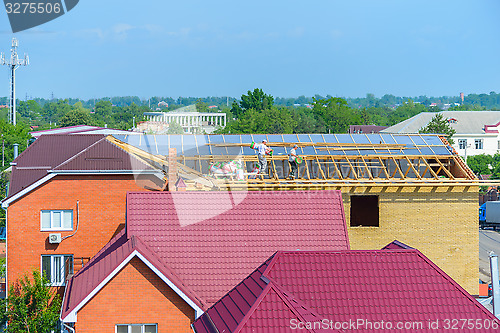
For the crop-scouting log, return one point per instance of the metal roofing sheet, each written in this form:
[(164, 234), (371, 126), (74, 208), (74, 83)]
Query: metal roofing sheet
[(103, 155), (346, 286), (214, 239), (45, 153)]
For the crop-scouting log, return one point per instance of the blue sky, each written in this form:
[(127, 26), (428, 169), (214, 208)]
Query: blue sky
[(287, 48)]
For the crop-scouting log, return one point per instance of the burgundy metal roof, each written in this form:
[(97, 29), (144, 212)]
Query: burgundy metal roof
[(103, 155), (397, 286), (44, 154), (105, 262), (69, 153), (212, 240), (396, 245)]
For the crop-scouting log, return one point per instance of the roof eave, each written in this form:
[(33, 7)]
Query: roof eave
[(71, 317)]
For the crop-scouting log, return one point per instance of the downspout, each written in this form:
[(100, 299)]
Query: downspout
[(495, 283), (77, 220)]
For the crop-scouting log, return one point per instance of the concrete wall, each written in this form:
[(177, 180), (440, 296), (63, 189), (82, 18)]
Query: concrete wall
[(441, 222)]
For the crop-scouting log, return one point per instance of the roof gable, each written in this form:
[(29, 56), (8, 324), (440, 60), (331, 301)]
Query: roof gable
[(212, 240), (107, 263)]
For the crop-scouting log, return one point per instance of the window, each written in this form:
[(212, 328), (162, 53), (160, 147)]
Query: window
[(56, 220), (57, 268), (136, 328), (478, 143), (462, 143), (364, 211)]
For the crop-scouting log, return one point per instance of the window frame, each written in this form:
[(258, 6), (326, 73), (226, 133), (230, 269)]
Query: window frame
[(480, 143), (52, 213), (462, 143), (53, 268), (129, 327)]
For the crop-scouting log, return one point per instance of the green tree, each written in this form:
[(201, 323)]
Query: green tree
[(253, 100), (336, 114), (75, 117), (482, 164), (32, 305), (273, 120), (175, 128), (439, 125)]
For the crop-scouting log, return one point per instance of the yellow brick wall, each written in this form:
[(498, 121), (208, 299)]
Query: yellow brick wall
[(441, 222)]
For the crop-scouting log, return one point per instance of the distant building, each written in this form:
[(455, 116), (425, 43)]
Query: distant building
[(366, 129), (477, 132), (188, 118)]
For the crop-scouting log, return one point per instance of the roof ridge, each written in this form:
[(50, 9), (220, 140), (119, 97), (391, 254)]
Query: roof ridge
[(78, 154)]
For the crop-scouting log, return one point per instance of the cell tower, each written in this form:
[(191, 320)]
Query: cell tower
[(13, 63)]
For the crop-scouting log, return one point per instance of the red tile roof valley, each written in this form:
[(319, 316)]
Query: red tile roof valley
[(393, 286)]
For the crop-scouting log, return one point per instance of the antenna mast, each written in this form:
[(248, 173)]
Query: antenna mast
[(13, 63)]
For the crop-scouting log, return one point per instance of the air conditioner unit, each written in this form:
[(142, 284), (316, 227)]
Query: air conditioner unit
[(54, 238)]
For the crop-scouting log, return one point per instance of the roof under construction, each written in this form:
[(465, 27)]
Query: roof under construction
[(227, 161)]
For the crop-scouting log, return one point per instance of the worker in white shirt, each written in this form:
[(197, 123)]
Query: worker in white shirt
[(292, 158), (262, 150)]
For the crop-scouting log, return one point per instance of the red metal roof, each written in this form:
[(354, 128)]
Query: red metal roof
[(102, 266), (396, 286), (44, 154), (62, 153), (212, 240)]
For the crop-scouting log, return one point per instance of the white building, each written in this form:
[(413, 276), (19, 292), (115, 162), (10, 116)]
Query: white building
[(477, 132), (189, 119)]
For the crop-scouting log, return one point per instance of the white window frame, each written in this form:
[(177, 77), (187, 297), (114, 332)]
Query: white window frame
[(462, 143), (478, 142), (129, 327), (52, 213), (54, 259)]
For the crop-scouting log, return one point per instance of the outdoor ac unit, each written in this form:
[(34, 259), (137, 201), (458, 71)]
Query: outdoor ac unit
[(54, 238)]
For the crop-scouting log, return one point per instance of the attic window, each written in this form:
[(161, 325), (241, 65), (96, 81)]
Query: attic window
[(364, 211)]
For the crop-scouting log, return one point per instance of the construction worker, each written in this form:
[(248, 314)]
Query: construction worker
[(262, 150), (292, 158)]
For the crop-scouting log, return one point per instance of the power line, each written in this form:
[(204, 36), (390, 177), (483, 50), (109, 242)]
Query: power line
[(13, 63)]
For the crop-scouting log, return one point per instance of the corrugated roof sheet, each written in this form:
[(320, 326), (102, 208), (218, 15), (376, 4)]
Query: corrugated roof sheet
[(212, 240), (342, 286), (44, 154), (70, 153), (103, 155)]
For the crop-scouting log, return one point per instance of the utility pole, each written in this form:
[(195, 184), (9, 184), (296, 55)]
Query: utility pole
[(13, 63)]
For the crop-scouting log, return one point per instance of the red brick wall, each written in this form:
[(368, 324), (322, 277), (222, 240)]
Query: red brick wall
[(136, 295), (102, 214)]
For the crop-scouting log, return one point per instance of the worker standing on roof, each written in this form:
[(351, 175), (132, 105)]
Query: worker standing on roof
[(292, 158), (262, 150)]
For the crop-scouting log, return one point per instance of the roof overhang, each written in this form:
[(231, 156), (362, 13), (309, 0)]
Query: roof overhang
[(73, 315), (28, 189), (52, 173)]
